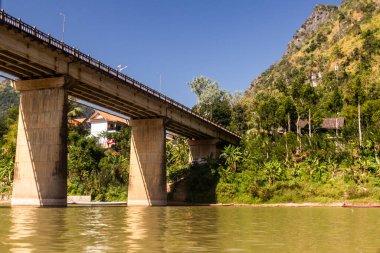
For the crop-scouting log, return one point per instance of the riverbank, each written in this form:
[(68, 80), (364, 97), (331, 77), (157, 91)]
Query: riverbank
[(332, 204)]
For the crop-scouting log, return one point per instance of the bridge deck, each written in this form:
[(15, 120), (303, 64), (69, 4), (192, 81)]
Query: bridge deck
[(28, 53)]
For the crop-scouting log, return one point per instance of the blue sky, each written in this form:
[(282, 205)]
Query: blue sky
[(229, 41)]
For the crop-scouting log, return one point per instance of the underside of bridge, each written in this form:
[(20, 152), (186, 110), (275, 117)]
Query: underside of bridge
[(41, 154)]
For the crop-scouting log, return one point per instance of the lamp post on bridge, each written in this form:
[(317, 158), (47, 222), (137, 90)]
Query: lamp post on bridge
[(121, 68), (63, 26)]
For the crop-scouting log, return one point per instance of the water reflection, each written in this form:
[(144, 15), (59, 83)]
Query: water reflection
[(34, 228), (145, 228), (136, 224), (22, 229), (189, 229), (95, 229), (171, 229)]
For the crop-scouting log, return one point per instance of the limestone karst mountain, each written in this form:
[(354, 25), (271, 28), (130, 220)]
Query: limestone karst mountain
[(335, 42)]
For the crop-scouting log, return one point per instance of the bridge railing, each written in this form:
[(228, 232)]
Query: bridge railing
[(47, 38)]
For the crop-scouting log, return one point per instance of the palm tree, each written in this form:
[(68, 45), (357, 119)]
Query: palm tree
[(232, 156)]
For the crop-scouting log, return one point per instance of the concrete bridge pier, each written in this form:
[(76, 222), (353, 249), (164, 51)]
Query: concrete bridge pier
[(203, 148), (147, 173), (40, 175)]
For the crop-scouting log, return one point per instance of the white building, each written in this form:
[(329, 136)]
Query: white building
[(101, 123)]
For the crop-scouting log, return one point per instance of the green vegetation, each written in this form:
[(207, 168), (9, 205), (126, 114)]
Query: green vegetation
[(8, 98), (330, 69), (92, 169), (8, 131), (96, 171), (213, 103), (177, 159)]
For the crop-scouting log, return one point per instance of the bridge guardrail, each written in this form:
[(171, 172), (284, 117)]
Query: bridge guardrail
[(47, 38)]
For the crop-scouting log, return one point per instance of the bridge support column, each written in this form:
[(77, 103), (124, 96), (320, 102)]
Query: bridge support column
[(147, 173), (40, 175), (203, 148)]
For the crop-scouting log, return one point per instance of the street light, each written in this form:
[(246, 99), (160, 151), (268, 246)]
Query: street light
[(63, 26), (121, 68)]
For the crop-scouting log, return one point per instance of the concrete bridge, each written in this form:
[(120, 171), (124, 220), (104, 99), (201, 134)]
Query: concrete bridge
[(48, 71)]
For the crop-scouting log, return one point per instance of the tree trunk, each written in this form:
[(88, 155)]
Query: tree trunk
[(359, 127), (299, 149), (289, 123), (286, 146), (309, 126), (309, 123)]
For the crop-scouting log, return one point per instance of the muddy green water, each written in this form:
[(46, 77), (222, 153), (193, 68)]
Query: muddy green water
[(189, 229)]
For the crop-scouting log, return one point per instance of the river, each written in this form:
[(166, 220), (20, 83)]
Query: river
[(189, 229)]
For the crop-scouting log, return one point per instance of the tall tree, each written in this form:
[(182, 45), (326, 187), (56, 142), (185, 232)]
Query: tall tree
[(297, 80), (267, 109), (310, 98), (213, 103), (358, 98)]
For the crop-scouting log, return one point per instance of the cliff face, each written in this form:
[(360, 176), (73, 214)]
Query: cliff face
[(320, 15), (333, 40)]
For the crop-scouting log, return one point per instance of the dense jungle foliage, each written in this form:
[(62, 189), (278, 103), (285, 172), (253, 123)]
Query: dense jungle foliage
[(331, 69), (92, 170), (97, 171)]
